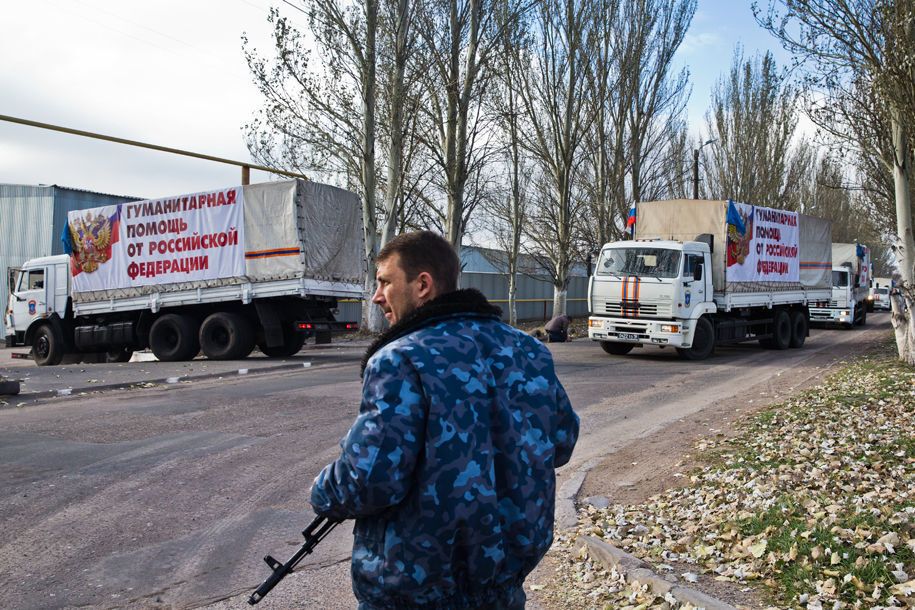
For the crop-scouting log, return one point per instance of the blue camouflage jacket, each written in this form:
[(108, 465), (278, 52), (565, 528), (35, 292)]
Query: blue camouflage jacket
[(449, 467)]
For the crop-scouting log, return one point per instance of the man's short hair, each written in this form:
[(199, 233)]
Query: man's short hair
[(425, 251)]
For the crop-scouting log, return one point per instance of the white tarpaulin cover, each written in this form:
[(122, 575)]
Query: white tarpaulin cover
[(685, 219), (274, 231)]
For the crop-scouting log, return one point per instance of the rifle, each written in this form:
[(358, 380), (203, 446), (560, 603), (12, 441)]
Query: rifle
[(314, 533)]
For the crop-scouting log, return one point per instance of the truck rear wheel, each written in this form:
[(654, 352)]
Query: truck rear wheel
[(173, 337), (781, 331), (292, 344), (226, 336), (616, 349), (47, 346), (798, 329), (703, 342)]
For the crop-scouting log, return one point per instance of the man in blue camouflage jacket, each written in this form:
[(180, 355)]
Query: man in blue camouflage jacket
[(449, 468)]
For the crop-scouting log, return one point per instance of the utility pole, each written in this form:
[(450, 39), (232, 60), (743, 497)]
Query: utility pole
[(696, 167)]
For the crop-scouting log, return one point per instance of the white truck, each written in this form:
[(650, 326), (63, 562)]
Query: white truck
[(880, 294), (217, 272), (847, 304), (704, 273)]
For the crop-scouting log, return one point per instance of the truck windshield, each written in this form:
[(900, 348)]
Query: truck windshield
[(645, 262), (839, 279)]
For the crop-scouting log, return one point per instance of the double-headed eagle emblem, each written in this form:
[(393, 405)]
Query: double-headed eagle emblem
[(91, 237)]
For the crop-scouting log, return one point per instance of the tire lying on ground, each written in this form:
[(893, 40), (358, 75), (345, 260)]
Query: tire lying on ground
[(9, 388)]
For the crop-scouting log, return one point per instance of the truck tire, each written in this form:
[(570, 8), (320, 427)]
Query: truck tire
[(173, 337), (9, 388), (781, 331), (703, 342), (292, 344), (863, 320), (226, 336), (616, 349), (798, 329), (47, 346)]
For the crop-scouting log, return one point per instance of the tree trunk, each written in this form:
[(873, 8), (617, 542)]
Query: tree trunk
[(903, 320), (367, 162)]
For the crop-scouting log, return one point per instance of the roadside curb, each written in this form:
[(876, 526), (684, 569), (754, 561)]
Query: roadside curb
[(636, 570), (240, 372)]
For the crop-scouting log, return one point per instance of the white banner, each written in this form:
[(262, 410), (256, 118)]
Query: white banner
[(162, 241), (762, 244)]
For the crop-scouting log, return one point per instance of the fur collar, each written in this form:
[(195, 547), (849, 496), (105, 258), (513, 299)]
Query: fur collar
[(469, 302)]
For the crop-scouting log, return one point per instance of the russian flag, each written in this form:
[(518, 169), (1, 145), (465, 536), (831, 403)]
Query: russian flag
[(630, 222)]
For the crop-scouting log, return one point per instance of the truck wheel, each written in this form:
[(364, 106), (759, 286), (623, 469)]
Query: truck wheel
[(226, 336), (703, 342), (798, 329), (781, 331), (9, 388), (173, 337), (47, 346), (292, 344), (863, 316), (616, 349), (119, 355)]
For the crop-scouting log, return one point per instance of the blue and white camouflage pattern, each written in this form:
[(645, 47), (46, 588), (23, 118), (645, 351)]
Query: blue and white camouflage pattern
[(449, 468)]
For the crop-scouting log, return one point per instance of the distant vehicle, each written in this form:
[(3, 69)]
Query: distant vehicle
[(880, 292), (847, 305), (217, 272), (705, 273)]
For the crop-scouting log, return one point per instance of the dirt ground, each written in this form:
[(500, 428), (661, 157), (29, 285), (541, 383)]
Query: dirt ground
[(662, 461)]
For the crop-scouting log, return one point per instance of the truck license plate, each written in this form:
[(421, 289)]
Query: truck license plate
[(628, 337)]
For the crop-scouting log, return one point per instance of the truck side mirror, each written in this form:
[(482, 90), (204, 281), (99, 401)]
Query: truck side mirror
[(697, 272)]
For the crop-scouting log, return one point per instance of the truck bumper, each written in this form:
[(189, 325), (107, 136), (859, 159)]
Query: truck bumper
[(831, 315), (677, 333)]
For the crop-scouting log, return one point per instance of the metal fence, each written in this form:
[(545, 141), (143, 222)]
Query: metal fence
[(534, 296)]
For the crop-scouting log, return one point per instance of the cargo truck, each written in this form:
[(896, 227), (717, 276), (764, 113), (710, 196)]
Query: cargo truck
[(880, 293), (704, 273), (219, 272), (847, 304)]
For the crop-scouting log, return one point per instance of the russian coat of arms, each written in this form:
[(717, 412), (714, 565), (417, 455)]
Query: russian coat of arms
[(91, 237)]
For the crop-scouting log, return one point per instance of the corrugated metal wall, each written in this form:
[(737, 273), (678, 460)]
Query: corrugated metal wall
[(535, 296), (31, 221)]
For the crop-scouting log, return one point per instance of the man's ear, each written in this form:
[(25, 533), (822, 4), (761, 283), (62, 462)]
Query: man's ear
[(425, 286)]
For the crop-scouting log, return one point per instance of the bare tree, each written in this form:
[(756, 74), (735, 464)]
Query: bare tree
[(660, 26), (846, 42), (554, 94), (461, 38), (753, 120)]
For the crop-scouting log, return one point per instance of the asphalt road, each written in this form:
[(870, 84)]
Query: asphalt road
[(170, 495)]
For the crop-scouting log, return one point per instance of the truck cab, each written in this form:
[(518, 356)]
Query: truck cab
[(39, 295), (649, 292), (845, 307)]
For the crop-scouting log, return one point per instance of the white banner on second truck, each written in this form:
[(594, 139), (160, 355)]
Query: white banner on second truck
[(189, 238), (762, 244)]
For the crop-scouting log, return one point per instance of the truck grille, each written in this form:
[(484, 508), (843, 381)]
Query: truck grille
[(833, 303), (634, 309)]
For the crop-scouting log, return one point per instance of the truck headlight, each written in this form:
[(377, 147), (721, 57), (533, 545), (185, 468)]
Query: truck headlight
[(670, 328), (844, 314), (592, 323)]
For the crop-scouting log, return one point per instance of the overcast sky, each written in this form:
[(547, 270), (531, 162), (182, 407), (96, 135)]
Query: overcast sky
[(172, 73)]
